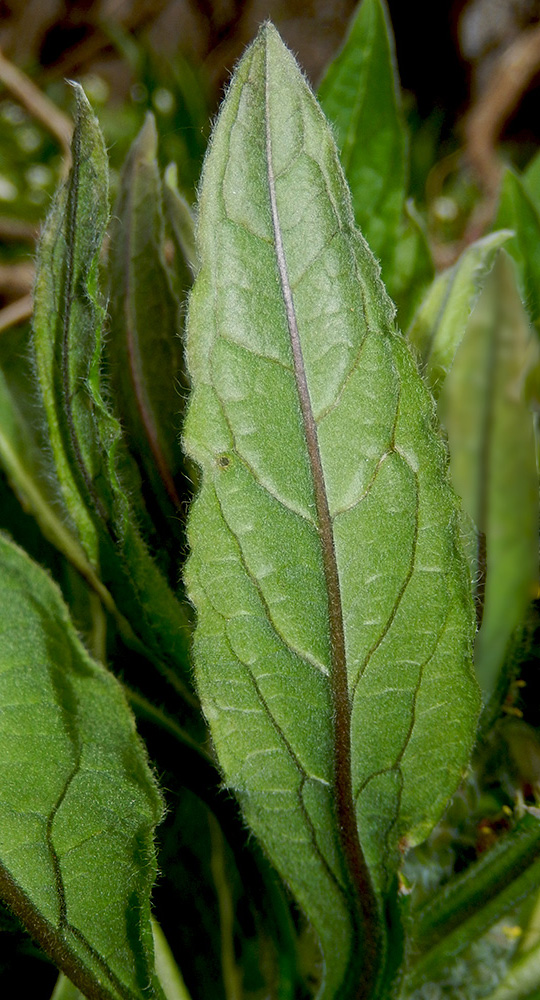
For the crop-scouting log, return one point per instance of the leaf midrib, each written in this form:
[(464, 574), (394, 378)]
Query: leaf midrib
[(362, 900)]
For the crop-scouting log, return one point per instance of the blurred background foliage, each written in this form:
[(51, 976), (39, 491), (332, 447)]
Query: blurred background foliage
[(470, 70)]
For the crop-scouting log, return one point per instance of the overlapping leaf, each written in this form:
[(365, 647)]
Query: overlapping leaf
[(78, 803), (335, 622), (440, 322), (84, 436), (143, 345), (518, 211), (181, 220), (360, 95), (484, 408)]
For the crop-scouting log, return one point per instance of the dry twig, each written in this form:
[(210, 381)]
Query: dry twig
[(16, 312), (510, 78), (38, 105)]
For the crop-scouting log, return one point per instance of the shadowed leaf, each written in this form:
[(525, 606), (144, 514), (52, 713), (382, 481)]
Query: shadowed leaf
[(78, 803)]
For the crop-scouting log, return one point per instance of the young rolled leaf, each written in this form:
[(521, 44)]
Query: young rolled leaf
[(78, 803), (68, 315), (484, 408), (439, 325), (143, 343), (360, 96), (334, 628), (85, 437)]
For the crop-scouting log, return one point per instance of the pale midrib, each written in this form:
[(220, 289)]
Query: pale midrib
[(362, 901)]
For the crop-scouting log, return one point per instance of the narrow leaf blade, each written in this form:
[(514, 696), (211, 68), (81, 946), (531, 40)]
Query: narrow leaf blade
[(440, 322), (67, 314), (413, 267), (78, 804), (86, 440), (143, 343), (359, 94), (517, 211), (325, 565), (181, 221), (492, 458)]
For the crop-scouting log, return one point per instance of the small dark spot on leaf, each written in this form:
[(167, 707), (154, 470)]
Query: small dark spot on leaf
[(224, 461)]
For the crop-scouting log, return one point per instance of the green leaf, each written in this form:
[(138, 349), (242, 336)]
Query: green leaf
[(78, 803), (492, 459), (439, 325), (334, 616), (181, 220), (143, 343), (517, 211), (531, 180), (413, 267), (360, 96), (85, 437), (68, 315), (20, 458)]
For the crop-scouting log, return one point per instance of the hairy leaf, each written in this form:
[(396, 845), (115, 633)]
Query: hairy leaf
[(334, 615), (493, 461), (68, 315), (143, 343), (439, 325), (78, 803), (20, 458), (85, 437)]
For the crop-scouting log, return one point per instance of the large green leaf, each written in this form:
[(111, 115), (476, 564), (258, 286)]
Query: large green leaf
[(439, 324), (484, 408), (334, 614), (85, 437), (78, 803)]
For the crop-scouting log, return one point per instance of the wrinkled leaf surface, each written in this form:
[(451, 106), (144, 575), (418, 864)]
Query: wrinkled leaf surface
[(334, 614), (78, 803), (85, 437)]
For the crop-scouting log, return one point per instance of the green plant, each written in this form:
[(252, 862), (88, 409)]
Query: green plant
[(334, 572)]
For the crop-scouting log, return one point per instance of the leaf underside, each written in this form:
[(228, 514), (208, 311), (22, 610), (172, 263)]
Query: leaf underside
[(78, 804), (325, 570)]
